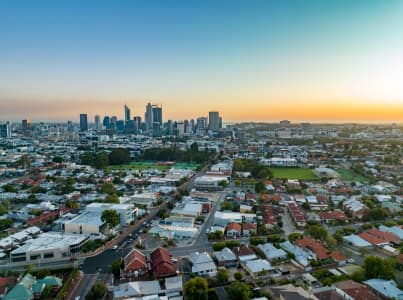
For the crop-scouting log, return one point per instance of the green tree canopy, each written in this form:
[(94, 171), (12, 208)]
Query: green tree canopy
[(97, 291), (376, 267), (196, 289), (112, 199), (239, 291), (119, 156), (111, 217), (108, 188), (222, 276), (317, 232)]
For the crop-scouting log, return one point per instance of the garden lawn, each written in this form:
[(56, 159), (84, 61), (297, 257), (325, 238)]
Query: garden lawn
[(350, 175), (293, 173)]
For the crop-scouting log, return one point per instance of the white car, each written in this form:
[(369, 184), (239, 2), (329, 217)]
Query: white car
[(350, 260), (114, 247)]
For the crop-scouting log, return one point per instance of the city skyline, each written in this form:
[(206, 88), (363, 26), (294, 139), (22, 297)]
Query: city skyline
[(309, 61)]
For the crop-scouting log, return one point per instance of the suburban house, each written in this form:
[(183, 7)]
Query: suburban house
[(234, 230), (161, 263), (135, 264), (225, 257), (203, 264), (244, 253)]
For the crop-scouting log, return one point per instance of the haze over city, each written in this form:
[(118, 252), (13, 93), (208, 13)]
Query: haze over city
[(318, 61)]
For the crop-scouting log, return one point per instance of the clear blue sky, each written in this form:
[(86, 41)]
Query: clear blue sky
[(244, 58)]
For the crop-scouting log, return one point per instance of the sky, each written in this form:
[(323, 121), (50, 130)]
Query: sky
[(255, 60)]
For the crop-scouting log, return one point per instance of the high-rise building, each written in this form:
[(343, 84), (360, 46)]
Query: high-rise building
[(83, 122), (201, 125), (5, 130), (26, 124), (137, 123), (148, 117), (180, 128), (157, 119), (97, 120), (106, 122), (70, 126), (127, 114), (213, 120)]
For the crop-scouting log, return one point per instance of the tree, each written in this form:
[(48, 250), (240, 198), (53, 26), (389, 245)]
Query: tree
[(119, 156), (97, 291), (101, 160), (238, 276), (219, 246), (58, 159), (8, 188), (239, 291), (376, 267), (73, 205), (196, 289), (110, 217), (222, 276), (116, 266), (377, 214), (112, 199), (317, 232), (223, 183), (3, 210), (294, 236), (260, 187), (108, 188)]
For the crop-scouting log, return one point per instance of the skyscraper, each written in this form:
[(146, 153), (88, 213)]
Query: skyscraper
[(127, 114), (97, 120), (5, 130), (106, 122), (26, 124), (157, 120), (213, 120), (83, 122), (148, 117), (201, 125)]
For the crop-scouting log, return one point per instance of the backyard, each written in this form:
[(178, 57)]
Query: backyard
[(293, 173)]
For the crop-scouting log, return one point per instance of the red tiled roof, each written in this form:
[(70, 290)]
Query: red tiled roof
[(161, 263), (333, 215), (376, 237), (249, 226), (338, 256), (356, 290), (243, 250), (135, 261), (6, 282), (317, 247), (234, 226)]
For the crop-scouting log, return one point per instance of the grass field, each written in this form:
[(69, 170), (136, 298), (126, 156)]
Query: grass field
[(145, 165), (293, 173), (349, 175)]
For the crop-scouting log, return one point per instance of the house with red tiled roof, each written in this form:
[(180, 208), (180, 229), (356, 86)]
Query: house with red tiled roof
[(135, 264), (315, 247), (5, 284), (339, 257), (355, 290), (244, 253), (234, 230), (379, 238), (329, 216), (248, 229), (161, 263)]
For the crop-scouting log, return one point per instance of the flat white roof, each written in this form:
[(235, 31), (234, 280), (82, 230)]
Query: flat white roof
[(51, 241)]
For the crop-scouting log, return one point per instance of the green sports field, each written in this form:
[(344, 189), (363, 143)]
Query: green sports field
[(293, 173), (145, 165), (350, 175)]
